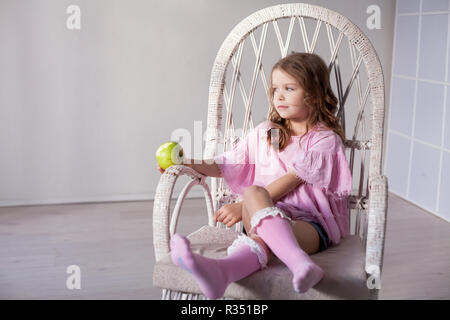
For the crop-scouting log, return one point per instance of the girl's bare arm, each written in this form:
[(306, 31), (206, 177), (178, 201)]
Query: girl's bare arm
[(283, 185), (208, 168)]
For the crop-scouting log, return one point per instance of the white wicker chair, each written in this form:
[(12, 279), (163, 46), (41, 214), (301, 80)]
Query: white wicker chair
[(353, 268)]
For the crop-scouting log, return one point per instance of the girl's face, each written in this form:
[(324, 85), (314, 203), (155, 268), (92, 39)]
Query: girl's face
[(288, 97)]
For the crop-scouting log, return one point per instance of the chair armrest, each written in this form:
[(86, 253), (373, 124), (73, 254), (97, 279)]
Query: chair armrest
[(376, 229), (161, 206)]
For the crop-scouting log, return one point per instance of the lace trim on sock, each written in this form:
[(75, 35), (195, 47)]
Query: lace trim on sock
[(265, 212), (255, 247)]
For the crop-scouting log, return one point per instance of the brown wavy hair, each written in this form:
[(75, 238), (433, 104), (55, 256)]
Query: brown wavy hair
[(313, 76)]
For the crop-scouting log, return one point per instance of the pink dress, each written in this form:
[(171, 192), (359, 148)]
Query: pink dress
[(319, 160)]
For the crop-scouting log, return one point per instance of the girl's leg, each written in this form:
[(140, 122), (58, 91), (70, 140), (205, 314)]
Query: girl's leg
[(267, 222), (246, 219), (245, 256), (306, 235)]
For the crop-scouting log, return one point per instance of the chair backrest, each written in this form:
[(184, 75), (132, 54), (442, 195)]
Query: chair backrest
[(356, 77)]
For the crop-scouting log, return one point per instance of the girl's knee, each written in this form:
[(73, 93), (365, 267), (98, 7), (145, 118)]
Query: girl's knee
[(250, 191)]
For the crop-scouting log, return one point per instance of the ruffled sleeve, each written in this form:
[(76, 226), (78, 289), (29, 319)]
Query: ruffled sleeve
[(324, 165), (237, 165)]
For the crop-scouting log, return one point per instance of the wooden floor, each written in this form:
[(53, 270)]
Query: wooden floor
[(112, 245)]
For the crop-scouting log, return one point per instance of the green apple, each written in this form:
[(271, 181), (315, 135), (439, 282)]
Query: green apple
[(168, 154)]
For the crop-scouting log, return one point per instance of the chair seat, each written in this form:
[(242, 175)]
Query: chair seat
[(343, 265)]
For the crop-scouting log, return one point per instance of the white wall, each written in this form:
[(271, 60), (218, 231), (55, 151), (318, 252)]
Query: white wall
[(82, 112), (418, 149)]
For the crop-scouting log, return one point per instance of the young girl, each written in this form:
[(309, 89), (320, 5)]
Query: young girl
[(294, 195)]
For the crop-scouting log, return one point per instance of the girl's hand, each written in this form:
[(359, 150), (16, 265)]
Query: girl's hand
[(160, 169), (229, 214)]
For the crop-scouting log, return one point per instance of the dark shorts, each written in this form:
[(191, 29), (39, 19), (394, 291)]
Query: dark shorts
[(323, 236)]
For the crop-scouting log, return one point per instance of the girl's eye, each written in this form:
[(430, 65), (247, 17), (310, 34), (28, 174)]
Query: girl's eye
[(287, 88)]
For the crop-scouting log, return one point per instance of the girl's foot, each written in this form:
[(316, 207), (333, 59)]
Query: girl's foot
[(306, 276), (206, 271)]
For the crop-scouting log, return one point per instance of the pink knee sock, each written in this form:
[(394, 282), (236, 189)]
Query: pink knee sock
[(278, 235), (214, 275)]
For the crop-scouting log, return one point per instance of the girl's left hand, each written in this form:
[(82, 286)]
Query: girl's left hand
[(229, 214)]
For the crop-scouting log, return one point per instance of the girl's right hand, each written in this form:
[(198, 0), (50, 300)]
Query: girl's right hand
[(229, 214), (160, 169)]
